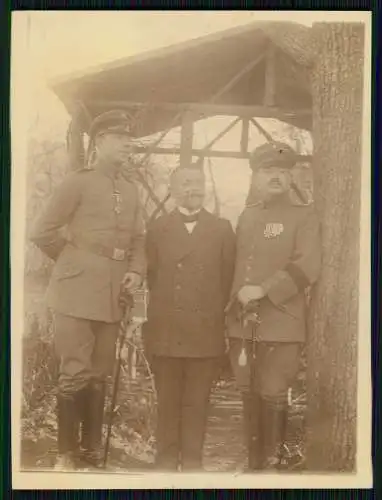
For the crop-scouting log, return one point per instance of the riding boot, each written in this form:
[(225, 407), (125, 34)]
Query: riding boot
[(68, 426), (253, 436), (273, 422), (92, 421), (283, 462)]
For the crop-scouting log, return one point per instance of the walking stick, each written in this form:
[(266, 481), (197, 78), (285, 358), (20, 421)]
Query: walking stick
[(126, 301)]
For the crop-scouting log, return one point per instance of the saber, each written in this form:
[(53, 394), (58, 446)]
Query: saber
[(251, 316), (126, 301)]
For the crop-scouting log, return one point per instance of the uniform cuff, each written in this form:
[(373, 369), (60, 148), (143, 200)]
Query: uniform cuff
[(53, 249), (280, 287), (298, 276)]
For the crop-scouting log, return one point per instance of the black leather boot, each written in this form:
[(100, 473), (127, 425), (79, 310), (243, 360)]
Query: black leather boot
[(273, 421), (93, 404), (68, 426), (252, 429)]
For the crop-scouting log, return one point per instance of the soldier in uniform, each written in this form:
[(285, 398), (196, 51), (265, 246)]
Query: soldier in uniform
[(277, 258), (190, 258), (104, 248)]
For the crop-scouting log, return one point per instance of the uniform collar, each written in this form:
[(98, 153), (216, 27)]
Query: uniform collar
[(276, 201), (109, 170)]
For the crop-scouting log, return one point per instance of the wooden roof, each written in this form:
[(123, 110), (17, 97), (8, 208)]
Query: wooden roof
[(193, 71)]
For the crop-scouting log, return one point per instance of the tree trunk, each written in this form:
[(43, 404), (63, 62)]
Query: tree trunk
[(337, 87)]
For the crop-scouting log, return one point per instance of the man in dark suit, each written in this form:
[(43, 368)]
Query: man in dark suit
[(190, 257), (278, 257), (105, 247)]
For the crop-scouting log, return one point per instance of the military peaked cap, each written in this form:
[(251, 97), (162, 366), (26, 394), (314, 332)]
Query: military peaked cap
[(275, 154), (112, 122)]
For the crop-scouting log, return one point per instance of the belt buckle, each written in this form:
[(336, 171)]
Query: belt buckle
[(118, 254)]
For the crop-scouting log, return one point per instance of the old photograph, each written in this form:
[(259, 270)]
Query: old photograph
[(190, 230)]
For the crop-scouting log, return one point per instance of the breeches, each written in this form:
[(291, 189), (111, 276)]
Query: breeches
[(85, 350), (275, 367), (183, 387)]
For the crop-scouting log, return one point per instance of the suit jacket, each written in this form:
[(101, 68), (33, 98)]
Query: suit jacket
[(189, 278), (84, 283), (278, 248)]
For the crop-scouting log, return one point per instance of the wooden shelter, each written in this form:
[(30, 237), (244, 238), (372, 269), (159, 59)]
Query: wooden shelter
[(257, 70)]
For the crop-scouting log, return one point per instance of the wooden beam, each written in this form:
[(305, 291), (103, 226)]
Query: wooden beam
[(244, 135), (221, 134), (208, 153), (270, 77), (262, 130), (249, 67), (220, 92), (186, 139), (202, 153), (202, 110)]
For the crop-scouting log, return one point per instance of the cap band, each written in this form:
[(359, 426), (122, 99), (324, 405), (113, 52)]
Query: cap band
[(111, 122), (269, 155), (117, 130)]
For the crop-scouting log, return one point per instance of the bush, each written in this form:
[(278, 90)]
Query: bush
[(134, 418)]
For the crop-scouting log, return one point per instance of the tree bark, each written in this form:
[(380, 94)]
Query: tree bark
[(337, 87)]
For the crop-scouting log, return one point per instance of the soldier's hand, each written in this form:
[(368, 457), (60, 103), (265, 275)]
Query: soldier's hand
[(131, 282), (250, 292)]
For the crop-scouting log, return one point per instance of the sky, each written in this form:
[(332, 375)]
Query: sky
[(53, 43), (66, 41)]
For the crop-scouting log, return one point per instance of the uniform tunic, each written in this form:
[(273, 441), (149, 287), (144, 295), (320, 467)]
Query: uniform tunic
[(278, 248), (85, 283)]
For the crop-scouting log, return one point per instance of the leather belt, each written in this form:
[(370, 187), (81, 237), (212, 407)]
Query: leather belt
[(111, 253)]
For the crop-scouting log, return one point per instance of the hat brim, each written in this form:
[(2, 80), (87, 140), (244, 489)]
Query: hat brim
[(123, 133), (272, 163)]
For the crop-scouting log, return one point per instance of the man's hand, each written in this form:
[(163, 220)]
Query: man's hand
[(250, 292), (131, 282)]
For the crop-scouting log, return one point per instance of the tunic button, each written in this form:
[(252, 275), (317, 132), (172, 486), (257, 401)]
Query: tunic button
[(247, 280), (178, 287), (180, 265)]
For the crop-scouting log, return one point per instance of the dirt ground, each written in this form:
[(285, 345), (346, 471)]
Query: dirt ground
[(224, 447)]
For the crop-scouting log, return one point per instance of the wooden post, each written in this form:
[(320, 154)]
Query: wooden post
[(186, 139), (244, 135)]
